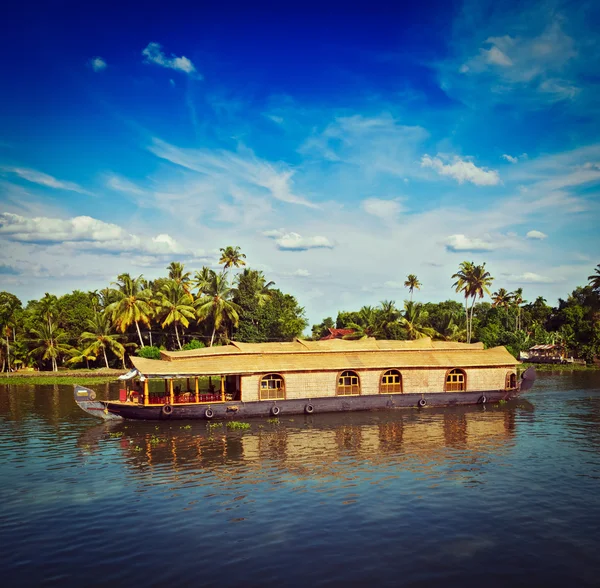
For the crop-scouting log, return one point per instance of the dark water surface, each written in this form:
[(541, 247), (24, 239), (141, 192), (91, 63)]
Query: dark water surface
[(490, 496)]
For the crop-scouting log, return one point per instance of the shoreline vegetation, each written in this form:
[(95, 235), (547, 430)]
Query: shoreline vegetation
[(210, 307)]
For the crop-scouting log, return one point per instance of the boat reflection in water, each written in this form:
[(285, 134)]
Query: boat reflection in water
[(315, 447)]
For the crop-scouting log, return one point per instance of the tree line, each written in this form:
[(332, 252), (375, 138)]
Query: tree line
[(186, 310), (135, 315)]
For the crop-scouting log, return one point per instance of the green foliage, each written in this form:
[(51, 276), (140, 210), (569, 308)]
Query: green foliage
[(238, 425), (193, 344), (148, 352)]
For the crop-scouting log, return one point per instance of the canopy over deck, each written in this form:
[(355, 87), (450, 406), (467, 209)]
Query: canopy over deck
[(333, 355)]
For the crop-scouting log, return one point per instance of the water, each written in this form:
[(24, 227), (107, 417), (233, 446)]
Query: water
[(489, 496)]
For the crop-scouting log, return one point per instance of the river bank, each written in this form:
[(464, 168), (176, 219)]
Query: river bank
[(83, 377)]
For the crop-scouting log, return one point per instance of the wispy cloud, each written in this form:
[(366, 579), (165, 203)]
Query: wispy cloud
[(461, 170), (383, 209), (154, 54), (532, 278), (228, 168), (461, 243), (510, 158), (42, 179), (97, 63), (120, 184)]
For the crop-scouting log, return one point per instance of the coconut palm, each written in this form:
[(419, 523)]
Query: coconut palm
[(411, 283), (367, 324), (256, 282), (132, 305), (180, 277), (414, 321), (99, 338), (47, 308), (81, 355), (203, 279), (50, 342), (517, 299), (502, 299), (216, 303), (464, 277), (594, 279), (231, 256), (174, 306), (481, 280)]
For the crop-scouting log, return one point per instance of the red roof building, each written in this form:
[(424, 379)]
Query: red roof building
[(337, 334)]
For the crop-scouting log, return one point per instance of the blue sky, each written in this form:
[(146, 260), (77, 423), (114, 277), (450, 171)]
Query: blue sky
[(342, 147)]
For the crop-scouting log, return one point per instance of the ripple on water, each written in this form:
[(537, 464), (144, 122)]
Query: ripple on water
[(505, 494)]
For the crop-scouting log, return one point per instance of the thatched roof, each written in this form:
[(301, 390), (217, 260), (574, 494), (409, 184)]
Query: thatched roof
[(332, 355)]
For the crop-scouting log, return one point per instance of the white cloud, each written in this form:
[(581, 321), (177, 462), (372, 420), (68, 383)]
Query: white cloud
[(461, 170), (536, 235), (37, 177), (384, 209), (86, 232), (299, 273), (295, 242), (154, 54), (510, 158), (533, 278), (97, 63), (457, 243)]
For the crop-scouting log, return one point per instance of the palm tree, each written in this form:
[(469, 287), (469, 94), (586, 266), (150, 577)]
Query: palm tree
[(480, 282), (388, 317), (366, 325), (517, 299), (502, 299), (257, 283), (132, 305), (203, 279), (99, 338), (411, 283), (216, 303), (80, 355), (180, 277), (464, 277), (413, 319), (231, 256), (594, 279), (50, 340), (449, 328), (47, 308), (175, 307)]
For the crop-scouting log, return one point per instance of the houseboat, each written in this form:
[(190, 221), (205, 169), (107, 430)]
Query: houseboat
[(242, 380)]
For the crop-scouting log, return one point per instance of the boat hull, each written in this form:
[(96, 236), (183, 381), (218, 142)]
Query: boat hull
[(274, 408)]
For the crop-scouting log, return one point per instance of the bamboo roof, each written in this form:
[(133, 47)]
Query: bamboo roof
[(332, 355)]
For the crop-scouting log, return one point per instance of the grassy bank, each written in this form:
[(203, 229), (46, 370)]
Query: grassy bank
[(84, 377), (553, 367)]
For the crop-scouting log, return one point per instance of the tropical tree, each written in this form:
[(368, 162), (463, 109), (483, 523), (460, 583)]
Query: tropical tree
[(9, 306), (517, 300), (216, 303), (256, 282), (179, 276), (47, 308), (203, 279), (594, 279), (414, 321), (411, 283), (99, 338), (50, 341), (231, 256), (366, 324), (481, 280), (502, 299), (464, 278), (132, 305), (174, 306)]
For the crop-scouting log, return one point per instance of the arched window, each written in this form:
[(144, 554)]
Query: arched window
[(456, 381), (348, 384), (272, 387), (391, 382), (511, 381)]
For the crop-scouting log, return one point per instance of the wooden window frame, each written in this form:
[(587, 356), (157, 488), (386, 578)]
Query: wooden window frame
[(507, 379), (265, 378), (339, 386), (458, 371), (393, 388)]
